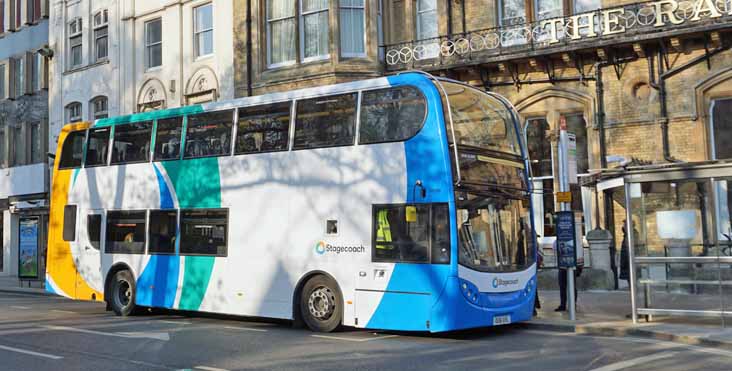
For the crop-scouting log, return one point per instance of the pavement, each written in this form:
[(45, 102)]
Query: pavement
[(600, 313), (40, 332)]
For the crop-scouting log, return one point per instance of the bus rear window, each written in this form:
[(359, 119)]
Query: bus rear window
[(209, 134), (131, 143), (325, 122), (72, 150), (389, 115)]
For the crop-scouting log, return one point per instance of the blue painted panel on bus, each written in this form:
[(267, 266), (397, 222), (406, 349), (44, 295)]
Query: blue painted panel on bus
[(166, 199), (426, 161), (158, 283)]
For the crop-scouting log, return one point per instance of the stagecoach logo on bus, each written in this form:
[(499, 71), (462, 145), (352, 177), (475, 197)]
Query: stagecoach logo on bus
[(322, 247), (499, 282)]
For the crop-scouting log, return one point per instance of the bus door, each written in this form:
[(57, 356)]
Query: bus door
[(89, 257)]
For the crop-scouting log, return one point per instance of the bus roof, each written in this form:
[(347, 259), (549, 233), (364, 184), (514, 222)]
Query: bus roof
[(375, 83)]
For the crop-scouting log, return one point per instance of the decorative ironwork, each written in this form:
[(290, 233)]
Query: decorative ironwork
[(628, 20)]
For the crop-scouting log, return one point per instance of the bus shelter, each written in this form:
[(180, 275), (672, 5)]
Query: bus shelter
[(680, 247)]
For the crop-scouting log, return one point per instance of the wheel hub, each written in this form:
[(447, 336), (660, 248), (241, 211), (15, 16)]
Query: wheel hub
[(124, 293), (321, 303)]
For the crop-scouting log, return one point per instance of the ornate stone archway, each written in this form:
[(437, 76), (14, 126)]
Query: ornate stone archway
[(202, 87), (152, 96)]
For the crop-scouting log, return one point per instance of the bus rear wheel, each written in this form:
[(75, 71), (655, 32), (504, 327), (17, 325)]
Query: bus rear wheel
[(321, 304), (122, 293)]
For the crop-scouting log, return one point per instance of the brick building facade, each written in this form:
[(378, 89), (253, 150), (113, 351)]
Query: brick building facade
[(637, 82)]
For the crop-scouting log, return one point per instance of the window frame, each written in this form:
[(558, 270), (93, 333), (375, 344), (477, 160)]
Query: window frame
[(148, 231), (227, 239), (68, 229), (187, 126), (269, 21), (301, 15), (421, 12), (290, 125), (109, 146), (69, 108), (97, 28), (360, 112), (66, 141), (75, 30), (340, 30), (294, 123), (113, 140), (106, 230), (101, 114), (431, 235), (102, 223), (197, 33), (148, 46), (181, 138)]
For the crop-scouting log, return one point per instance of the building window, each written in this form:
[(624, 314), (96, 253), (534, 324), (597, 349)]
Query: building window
[(153, 43), (721, 128), (314, 29), (33, 11), (203, 30), (3, 145), (17, 140), (2, 16), (426, 19), (18, 77), (73, 112), (284, 27), (36, 139), (18, 10), (99, 108), (2, 81), (353, 28), (584, 6), (546, 9), (280, 32), (101, 41), (75, 43), (512, 12)]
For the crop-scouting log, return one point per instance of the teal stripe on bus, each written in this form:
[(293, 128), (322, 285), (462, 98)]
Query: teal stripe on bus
[(148, 116)]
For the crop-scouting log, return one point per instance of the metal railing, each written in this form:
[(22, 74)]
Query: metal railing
[(632, 21)]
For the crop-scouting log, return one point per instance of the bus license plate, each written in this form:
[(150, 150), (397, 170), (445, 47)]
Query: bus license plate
[(501, 320)]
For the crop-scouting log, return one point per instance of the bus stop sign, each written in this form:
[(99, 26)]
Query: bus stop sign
[(566, 249)]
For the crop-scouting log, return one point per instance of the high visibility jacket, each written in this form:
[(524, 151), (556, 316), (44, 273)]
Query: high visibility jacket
[(383, 234)]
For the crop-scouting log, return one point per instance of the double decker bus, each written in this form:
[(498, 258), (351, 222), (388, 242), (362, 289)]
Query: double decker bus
[(397, 203)]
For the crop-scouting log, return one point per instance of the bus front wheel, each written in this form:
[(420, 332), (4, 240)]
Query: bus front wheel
[(321, 304), (122, 293)]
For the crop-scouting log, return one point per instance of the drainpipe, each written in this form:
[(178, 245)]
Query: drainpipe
[(660, 86), (249, 48), (449, 18), (600, 115)]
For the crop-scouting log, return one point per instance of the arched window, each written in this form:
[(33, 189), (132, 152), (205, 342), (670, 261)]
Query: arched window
[(99, 107), (73, 112), (721, 128)]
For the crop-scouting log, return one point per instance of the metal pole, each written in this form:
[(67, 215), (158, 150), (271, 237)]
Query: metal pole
[(564, 187), (631, 253)]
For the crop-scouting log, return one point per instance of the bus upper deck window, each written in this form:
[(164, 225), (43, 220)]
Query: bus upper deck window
[(393, 114), (263, 128), (97, 147), (167, 139), (72, 150), (209, 134), (131, 143), (326, 122)]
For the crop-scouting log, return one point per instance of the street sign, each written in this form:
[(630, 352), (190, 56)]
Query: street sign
[(566, 253), (564, 197)]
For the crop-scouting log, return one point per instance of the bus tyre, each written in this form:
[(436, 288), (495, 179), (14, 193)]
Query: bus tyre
[(122, 293), (321, 304)]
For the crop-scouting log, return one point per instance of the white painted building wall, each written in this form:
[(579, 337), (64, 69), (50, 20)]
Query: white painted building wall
[(92, 78)]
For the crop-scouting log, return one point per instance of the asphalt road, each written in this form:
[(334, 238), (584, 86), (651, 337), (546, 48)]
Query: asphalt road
[(51, 333)]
